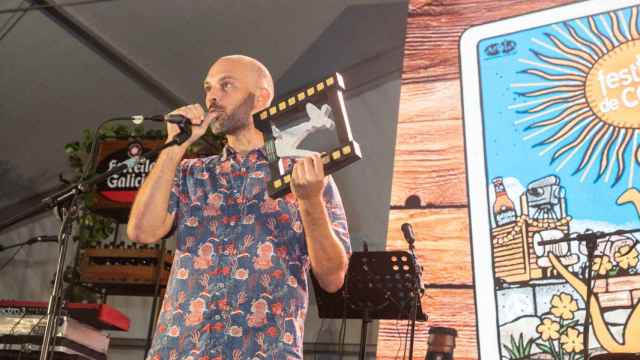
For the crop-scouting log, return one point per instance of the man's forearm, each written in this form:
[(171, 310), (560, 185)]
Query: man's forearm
[(149, 220), (328, 257)]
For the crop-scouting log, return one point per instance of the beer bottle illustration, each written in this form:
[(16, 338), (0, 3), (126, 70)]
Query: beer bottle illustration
[(504, 212)]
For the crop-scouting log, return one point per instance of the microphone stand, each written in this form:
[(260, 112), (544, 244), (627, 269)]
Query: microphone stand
[(67, 199), (416, 296), (69, 213), (410, 238), (591, 243)]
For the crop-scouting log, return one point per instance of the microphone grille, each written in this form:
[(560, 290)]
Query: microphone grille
[(407, 231), (137, 119)]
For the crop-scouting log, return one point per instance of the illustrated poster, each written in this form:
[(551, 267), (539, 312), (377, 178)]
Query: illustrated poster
[(559, 108)]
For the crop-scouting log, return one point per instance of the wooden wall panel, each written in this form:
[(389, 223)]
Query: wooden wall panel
[(434, 27), (429, 158), (442, 243), (445, 307)]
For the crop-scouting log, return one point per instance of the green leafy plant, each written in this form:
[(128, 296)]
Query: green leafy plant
[(90, 228), (519, 349)]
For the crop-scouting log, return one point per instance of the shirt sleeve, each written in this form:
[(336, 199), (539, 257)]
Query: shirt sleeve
[(178, 189), (337, 216)]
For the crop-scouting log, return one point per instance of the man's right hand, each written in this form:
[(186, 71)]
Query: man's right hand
[(199, 123)]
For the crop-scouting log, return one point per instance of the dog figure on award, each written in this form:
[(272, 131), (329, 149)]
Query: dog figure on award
[(287, 141), (321, 106)]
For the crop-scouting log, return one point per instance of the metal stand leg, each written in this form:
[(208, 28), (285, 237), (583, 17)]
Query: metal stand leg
[(55, 301), (363, 335)]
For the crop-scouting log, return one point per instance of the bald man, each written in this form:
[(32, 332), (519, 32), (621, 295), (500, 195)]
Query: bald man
[(238, 286)]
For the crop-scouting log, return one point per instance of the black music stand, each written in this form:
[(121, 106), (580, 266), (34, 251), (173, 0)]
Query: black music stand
[(378, 285)]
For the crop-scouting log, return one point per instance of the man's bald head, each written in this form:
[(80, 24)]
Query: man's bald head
[(260, 77), (236, 87)]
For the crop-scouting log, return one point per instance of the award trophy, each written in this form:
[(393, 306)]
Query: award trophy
[(287, 125)]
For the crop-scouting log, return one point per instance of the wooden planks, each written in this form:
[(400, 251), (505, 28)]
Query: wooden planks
[(442, 243), (443, 249), (445, 307), (429, 157), (434, 27)]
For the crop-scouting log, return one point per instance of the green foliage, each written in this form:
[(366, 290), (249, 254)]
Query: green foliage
[(519, 349), (566, 326), (545, 348)]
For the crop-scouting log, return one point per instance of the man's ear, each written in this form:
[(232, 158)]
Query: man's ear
[(262, 99)]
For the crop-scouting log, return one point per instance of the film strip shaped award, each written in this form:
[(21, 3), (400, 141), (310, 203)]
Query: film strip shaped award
[(287, 127)]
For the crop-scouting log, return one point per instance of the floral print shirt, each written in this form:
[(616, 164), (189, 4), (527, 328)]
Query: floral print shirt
[(238, 286)]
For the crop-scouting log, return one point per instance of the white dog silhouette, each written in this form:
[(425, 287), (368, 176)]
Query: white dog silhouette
[(287, 141)]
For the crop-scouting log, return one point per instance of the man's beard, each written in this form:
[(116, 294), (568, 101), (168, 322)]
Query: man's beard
[(238, 119)]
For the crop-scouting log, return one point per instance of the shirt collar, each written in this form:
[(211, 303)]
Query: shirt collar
[(228, 151)]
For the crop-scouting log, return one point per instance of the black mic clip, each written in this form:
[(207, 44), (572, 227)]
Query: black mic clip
[(184, 134)]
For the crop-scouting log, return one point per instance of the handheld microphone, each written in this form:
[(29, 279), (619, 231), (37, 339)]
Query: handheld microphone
[(407, 231), (171, 118), (182, 122)]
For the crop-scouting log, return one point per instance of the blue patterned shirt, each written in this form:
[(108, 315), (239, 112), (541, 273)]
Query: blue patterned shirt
[(238, 286)]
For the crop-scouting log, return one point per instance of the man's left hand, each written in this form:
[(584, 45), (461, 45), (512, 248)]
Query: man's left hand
[(308, 179)]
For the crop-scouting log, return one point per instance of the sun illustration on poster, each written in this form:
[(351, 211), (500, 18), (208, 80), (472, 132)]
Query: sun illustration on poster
[(588, 100)]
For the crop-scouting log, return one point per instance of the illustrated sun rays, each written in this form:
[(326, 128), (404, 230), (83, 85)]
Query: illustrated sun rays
[(585, 99)]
